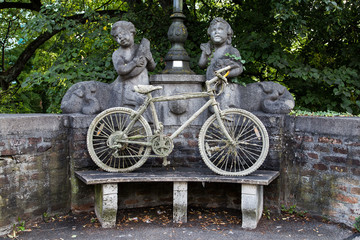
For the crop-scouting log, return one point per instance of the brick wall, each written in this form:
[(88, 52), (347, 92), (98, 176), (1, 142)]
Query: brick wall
[(320, 170)]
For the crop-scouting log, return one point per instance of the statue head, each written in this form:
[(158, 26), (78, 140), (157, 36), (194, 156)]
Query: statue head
[(123, 32), (220, 31)]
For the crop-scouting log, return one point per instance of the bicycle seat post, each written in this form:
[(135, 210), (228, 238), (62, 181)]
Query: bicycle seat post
[(153, 111)]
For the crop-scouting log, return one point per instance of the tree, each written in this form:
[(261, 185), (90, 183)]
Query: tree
[(310, 46), (48, 46)]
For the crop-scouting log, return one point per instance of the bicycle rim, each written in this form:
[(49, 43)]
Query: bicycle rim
[(106, 140), (239, 159)]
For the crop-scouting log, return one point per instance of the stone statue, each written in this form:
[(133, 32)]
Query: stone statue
[(268, 97), (88, 97), (131, 61), (217, 54), (218, 49)]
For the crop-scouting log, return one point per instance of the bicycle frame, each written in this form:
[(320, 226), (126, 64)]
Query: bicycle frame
[(231, 142), (211, 102)]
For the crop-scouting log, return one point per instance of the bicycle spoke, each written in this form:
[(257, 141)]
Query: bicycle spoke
[(107, 156), (219, 155), (111, 148), (107, 125), (131, 156), (213, 135), (216, 141), (244, 129), (110, 159), (227, 159), (247, 154), (101, 147), (138, 129), (100, 131), (241, 156)]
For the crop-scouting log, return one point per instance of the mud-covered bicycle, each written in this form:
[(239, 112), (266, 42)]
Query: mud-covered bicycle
[(231, 142)]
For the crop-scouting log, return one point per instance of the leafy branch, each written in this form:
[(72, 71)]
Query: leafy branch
[(11, 74)]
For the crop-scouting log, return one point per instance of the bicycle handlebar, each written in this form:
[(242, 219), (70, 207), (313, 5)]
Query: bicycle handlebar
[(222, 70), (217, 78)]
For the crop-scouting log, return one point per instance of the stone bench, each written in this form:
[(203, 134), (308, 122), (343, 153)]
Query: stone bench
[(106, 190)]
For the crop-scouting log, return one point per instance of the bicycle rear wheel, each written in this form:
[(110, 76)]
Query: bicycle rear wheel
[(107, 141), (239, 159)]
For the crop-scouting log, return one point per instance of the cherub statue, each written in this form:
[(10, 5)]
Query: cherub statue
[(268, 97), (132, 62), (218, 51)]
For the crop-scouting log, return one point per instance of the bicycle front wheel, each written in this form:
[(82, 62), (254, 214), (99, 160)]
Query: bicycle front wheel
[(111, 148), (242, 156)]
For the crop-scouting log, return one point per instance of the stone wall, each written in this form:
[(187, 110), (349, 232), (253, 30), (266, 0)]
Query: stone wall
[(319, 161), (82, 196), (33, 167)]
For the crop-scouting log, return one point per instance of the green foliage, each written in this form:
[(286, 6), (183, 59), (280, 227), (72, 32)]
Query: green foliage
[(357, 224), (292, 210), (19, 227), (288, 210), (311, 47), (321, 113), (267, 213)]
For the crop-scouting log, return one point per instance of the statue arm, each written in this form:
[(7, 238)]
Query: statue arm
[(203, 61), (144, 50), (204, 58), (151, 63), (235, 71), (124, 69)]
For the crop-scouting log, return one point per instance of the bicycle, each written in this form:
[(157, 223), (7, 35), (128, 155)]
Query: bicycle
[(232, 142)]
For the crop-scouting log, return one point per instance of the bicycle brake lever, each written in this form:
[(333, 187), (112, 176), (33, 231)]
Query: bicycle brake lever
[(223, 78)]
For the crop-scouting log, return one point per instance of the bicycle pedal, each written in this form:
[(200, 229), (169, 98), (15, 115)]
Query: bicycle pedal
[(165, 162)]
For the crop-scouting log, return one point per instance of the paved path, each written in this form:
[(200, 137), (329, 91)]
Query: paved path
[(155, 223)]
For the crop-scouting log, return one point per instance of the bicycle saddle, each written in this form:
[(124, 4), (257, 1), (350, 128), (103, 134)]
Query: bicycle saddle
[(144, 89)]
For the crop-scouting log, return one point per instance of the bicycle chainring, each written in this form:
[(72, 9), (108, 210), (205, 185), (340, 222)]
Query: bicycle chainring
[(162, 145)]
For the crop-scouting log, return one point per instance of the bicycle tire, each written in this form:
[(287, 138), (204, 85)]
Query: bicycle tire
[(104, 133), (243, 158)]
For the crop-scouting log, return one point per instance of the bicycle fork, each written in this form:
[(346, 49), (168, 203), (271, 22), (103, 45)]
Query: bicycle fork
[(219, 118)]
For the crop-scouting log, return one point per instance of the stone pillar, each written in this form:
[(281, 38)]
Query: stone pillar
[(180, 202), (82, 195), (177, 112), (174, 113), (106, 204), (251, 205), (177, 60)]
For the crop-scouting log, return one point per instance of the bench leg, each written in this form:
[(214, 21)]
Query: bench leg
[(106, 204), (251, 205), (180, 198)]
